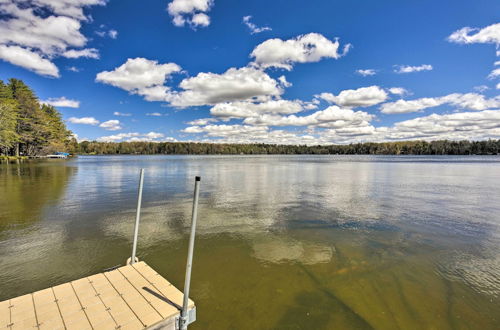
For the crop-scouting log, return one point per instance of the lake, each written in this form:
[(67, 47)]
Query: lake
[(283, 242)]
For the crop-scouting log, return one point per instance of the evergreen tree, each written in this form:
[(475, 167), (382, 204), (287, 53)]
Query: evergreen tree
[(27, 126)]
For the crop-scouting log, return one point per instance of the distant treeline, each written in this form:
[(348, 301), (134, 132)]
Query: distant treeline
[(28, 127), (444, 147)]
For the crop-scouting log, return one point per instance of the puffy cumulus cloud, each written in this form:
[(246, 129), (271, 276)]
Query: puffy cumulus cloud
[(398, 91), (366, 72), (477, 125), (208, 88), (33, 33), (137, 137), (191, 12), (111, 125), (84, 120), (332, 116), (147, 78), (250, 109), (29, 60), (70, 8), (62, 102), (226, 130), (141, 76), (305, 48), (464, 125), (472, 101), (468, 35), (254, 28), (361, 97), (410, 69)]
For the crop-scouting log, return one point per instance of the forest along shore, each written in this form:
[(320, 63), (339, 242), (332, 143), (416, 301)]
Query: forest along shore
[(28, 127)]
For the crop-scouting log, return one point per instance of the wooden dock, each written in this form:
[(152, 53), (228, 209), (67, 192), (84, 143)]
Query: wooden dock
[(129, 297)]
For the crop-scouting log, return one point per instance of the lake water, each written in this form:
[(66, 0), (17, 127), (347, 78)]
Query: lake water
[(283, 242)]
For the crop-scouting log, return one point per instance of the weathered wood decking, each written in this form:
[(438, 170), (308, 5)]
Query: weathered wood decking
[(129, 297)]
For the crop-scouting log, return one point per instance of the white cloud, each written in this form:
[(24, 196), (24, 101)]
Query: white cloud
[(87, 52), (249, 109), (481, 88), (111, 125), (154, 135), (70, 8), (254, 28), (33, 33), (468, 35), (137, 137), (140, 76), (191, 12), (147, 78), (84, 121), (73, 69), (398, 91), (494, 74), (463, 125), (225, 130), (305, 48), (332, 116), (154, 114), (361, 97), (366, 72), (200, 19), (29, 60), (457, 126), (201, 121), (498, 86), (233, 85), (116, 113), (409, 68), (113, 34), (470, 101), (62, 102)]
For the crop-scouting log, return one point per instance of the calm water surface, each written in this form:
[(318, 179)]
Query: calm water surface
[(284, 242)]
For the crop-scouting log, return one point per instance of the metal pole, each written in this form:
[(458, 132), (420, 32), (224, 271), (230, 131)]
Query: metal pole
[(184, 318), (137, 217)]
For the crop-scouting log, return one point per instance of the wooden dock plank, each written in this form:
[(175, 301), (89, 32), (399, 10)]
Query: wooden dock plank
[(144, 311), (149, 292), (93, 306), (22, 312), (71, 310), (4, 314), (164, 286), (128, 298), (47, 311), (117, 307)]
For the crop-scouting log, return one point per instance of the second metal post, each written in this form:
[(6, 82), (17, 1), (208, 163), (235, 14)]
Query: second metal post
[(137, 218), (184, 318)]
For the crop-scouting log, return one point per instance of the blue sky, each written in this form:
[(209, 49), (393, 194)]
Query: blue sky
[(294, 72)]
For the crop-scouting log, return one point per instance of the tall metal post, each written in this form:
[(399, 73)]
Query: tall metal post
[(137, 217), (184, 318)]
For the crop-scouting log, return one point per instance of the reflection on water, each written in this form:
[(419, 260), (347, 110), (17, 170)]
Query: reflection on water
[(284, 242)]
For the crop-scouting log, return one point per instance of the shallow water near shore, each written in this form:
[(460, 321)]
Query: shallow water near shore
[(283, 242)]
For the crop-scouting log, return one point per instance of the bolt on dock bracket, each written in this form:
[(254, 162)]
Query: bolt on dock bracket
[(183, 322)]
